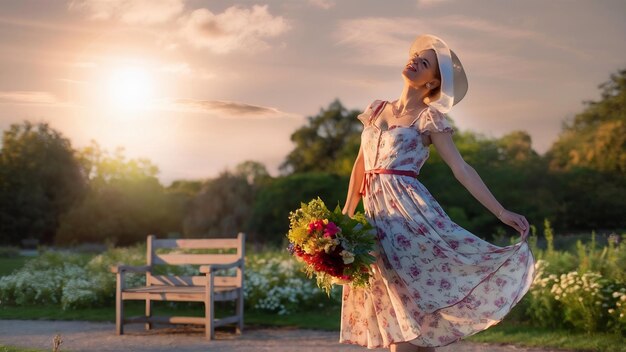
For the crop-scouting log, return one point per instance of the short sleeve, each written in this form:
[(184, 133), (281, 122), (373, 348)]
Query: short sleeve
[(433, 121), (366, 116)]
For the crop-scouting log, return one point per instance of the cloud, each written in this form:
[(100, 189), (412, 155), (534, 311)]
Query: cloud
[(28, 98), (489, 46), (47, 25), (235, 28), (429, 3), (228, 109), (507, 32), (323, 4), (72, 81), (480, 25), (181, 68), (184, 69), (378, 40), (129, 11), (84, 64)]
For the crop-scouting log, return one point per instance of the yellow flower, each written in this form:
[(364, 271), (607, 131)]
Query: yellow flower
[(309, 248)]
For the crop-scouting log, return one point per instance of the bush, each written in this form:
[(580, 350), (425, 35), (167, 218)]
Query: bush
[(67, 279), (273, 281), (584, 292), (543, 309), (9, 252)]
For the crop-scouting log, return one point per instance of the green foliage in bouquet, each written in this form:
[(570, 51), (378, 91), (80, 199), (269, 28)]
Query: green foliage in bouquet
[(335, 247)]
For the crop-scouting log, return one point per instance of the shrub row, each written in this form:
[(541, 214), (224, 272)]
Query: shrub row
[(583, 291)]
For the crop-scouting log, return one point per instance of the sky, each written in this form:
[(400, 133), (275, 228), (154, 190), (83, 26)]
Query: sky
[(199, 86)]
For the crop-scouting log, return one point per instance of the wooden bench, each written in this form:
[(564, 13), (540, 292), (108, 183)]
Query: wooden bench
[(207, 288)]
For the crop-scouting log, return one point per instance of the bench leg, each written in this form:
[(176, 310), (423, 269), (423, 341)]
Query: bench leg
[(208, 314), (148, 313), (119, 308), (239, 312), (208, 308)]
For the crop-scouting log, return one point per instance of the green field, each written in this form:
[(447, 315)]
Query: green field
[(8, 265), (4, 348)]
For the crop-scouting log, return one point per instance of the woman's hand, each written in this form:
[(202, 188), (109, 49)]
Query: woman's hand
[(516, 221)]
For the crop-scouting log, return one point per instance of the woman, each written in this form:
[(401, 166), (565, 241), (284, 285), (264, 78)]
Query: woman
[(433, 282)]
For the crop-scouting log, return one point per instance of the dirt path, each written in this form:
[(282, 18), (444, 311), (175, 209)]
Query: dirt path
[(87, 336)]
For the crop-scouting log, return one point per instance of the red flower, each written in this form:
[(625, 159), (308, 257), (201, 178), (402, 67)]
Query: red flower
[(316, 225), (330, 263)]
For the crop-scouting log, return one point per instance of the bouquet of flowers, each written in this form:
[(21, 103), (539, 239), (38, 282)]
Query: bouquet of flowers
[(333, 246)]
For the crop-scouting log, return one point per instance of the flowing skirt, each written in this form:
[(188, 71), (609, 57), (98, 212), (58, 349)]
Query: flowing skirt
[(434, 282)]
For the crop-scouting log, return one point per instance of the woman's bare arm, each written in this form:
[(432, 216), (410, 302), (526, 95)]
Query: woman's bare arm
[(356, 177), (470, 179)]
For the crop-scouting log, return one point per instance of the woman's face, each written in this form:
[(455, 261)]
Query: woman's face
[(421, 69)]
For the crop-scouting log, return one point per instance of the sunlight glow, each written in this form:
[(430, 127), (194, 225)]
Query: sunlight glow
[(130, 88)]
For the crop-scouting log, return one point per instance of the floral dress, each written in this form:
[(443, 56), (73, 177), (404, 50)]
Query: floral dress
[(434, 282)]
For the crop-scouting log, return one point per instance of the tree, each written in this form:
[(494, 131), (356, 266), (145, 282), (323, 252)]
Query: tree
[(102, 168), (510, 168), (221, 207), (516, 147), (253, 171), (329, 142), (40, 179), (124, 204), (596, 138), (588, 162), (268, 222)]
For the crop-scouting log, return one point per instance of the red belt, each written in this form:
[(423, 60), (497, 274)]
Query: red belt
[(369, 173)]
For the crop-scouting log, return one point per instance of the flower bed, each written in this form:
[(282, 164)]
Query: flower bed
[(584, 291), (273, 281)]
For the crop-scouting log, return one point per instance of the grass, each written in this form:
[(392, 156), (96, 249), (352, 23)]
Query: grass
[(4, 348), (8, 265), (324, 320), (530, 336)]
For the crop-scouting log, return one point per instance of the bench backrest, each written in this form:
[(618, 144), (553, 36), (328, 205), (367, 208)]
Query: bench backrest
[(175, 258)]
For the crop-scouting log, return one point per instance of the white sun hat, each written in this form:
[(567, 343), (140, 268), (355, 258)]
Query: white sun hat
[(453, 78)]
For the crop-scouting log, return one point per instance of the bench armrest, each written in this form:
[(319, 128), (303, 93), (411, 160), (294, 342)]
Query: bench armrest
[(205, 269), (133, 269)]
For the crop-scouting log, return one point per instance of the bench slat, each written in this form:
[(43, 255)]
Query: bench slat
[(181, 320), (216, 243), (166, 320), (178, 289), (197, 259), (174, 280), (226, 320), (213, 243), (179, 297)]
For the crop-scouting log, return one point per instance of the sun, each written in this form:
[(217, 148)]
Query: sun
[(130, 88)]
